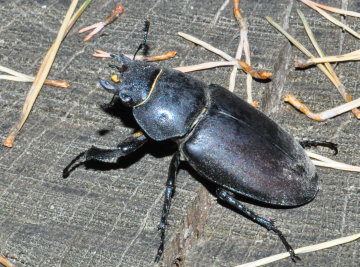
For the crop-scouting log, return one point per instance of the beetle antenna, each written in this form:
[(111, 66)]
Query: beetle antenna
[(144, 44)]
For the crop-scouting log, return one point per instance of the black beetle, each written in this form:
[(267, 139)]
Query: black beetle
[(225, 139)]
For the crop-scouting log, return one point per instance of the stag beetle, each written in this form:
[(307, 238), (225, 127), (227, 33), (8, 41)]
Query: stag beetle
[(225, 139)]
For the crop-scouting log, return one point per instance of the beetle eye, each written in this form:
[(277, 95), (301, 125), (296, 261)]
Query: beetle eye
[(126, 98)]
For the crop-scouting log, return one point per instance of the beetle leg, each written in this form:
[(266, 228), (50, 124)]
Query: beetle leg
[(310, 143), (227, 197), (169, 193), (125, 148)]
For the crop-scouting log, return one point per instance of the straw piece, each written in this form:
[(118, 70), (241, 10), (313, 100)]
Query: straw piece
[(4, 261), (346, 57), (303, 250), (336, 10), (241, 64), (243, 45), (13, 72), (261, 75), (338, 166), (207, 65), (322, 161), (331, 18), (100, 53), (77, 15), (164, 56), (335, 80), (321, 116), (40, 77), (206, 46), (56, 83)]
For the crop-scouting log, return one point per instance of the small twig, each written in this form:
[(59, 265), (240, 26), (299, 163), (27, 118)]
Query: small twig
[(76, 15), (43, 72), (207, 65), (20, 77), (322, 54), (336, 10), (331, 18), (97, 27), (353, 56), (206, 46), (322, 161), (241, 64), (322, 116), (5, 262), (303, 250), (262, 75), (165, 56), (100, 53), (243, 45), (334, 80)]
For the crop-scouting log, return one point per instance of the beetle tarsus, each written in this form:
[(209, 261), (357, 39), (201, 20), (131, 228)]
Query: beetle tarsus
[(310, 143), (169, 194), (228, 197)]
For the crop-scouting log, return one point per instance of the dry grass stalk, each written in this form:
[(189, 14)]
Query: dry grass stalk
[(206, 46), (335, 80), (322, 161), (100, 53), (97, 27), (164, 56), (5, 262), (20, 77), (240, 64), (336, 10), (261, 75), (207, 65), (303, 63), (312, 248), (76, 15), (42, 74), (326, 64), (243, 45), (331, 18), (321, 116)]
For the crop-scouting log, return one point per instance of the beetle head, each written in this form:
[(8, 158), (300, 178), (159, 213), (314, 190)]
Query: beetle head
[(136, 79)]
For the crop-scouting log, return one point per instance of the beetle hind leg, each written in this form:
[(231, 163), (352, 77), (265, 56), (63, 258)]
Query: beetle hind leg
[(310, 143), (228, 197), (169, 193)]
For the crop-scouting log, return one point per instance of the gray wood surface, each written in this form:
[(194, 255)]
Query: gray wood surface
[(107, 215)]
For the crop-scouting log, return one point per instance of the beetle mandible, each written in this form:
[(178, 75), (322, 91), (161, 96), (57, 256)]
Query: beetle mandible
[(226, 140)]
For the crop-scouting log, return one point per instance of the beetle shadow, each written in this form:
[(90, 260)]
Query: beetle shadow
[(117, 110)]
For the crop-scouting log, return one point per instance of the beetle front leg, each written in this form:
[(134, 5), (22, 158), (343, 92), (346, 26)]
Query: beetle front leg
[(227, 197), (125, 148), (169, 193)]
